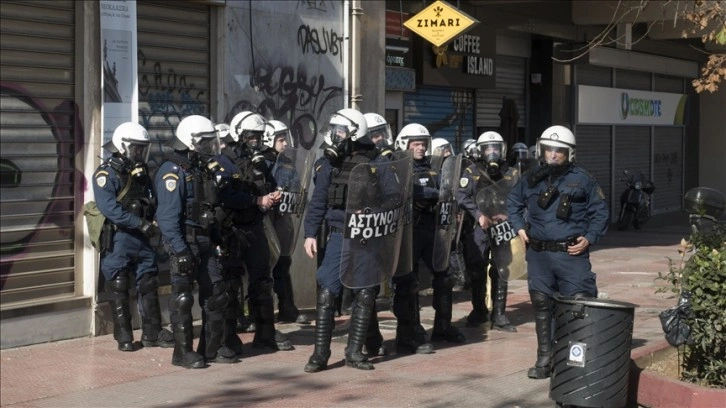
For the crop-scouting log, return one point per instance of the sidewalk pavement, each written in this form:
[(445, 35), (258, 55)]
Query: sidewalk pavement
[(490, 370)]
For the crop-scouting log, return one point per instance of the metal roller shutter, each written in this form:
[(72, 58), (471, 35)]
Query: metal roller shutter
[(510, 82), (174, 66), (446, 113), (632, 152), (668, 169), (593, 75), (593, 154), (627, 79), (37, 119)]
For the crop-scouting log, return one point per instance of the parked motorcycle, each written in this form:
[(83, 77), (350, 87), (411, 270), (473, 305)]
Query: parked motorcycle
[(635, 200)]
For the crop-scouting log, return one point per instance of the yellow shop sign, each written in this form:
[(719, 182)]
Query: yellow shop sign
[(439, 23)]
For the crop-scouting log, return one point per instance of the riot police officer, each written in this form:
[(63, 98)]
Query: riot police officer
[(277, 138), (124, 195), (566, 214), (441, 147), (187, 196), (246, 147), (347, 145), (416, 138), (484, 173)]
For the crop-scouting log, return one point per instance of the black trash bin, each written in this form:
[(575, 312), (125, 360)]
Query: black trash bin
[(591, 360)]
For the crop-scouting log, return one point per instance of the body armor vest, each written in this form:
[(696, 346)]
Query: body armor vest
[(139, 198), (338, 190), (202, 196)]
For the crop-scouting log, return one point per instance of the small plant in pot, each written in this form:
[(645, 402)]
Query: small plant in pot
[(697, 325)]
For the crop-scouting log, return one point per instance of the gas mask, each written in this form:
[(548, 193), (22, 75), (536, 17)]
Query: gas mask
[(339, 145), (492, 156)]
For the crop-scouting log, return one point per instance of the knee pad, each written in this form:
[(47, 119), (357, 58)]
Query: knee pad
[(219, 298), (541, 302), (366, 298), (181, 302), (326, 297), (148, 284), (118, 285), (443, 281)]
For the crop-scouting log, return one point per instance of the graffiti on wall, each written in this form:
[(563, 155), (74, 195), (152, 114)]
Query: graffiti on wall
[(288, 93), (38, 173), (300, 86), (170, 96)]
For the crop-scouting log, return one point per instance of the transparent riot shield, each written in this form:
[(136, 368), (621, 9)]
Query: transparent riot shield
[(446, 211), (405, 257), (376, 199), (292, 174), (508, 251)]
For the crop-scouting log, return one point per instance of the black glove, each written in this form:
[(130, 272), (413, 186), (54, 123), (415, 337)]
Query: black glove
[(183, 262), (147, 228)]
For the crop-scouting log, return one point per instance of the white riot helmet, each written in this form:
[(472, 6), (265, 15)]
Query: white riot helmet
[(248, 127), (560, 137), (274, 130), (131, 141), (222, 130), (347, 124), (411, 132), (379, 131), (441, 147), (470, 149), (491, 146), (196, 134)]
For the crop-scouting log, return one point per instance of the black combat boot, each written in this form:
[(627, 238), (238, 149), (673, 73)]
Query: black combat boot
[(374, 338), (543, 310), (211, 340), (180, 314), (405, 308), (231, 313), (265, 334), (443, 304), (499, 320), (118, 292), (324, 324), (479, 313), (152, 335), (359, 320), (288, 312)]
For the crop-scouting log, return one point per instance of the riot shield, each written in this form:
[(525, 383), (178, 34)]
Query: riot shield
[(376, 199), (508, 251), (446, 211), (292, 174), (405, 257)]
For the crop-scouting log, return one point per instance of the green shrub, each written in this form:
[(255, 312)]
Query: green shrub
[(701, 271)]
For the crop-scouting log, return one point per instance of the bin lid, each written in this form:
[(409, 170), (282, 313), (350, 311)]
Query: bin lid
[(594, 302)]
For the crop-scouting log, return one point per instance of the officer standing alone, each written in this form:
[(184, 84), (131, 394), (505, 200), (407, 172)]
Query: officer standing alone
[(566, 213), (124, 195)]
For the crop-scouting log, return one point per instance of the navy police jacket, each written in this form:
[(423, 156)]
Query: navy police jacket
[(174, 188), (588, 216), (106, 187)]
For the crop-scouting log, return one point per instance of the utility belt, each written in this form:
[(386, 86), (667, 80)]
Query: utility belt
[(193, 232), (550, 246)]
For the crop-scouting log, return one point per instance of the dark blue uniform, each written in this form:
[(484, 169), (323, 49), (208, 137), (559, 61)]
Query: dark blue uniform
[(551, 269), (130, 247), (328, 205), (476, 245), (129, 251), (186, 196)]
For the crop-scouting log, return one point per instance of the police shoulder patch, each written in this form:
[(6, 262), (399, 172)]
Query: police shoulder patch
[(101, 180), (463, 182), (170, 184)]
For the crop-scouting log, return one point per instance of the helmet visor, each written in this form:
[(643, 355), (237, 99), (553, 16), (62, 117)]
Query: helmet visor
[(491, 151), (444, 150), (206, 143), (281, 140), (338, 133), (137, 152), (381, 135), (253, 139)]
